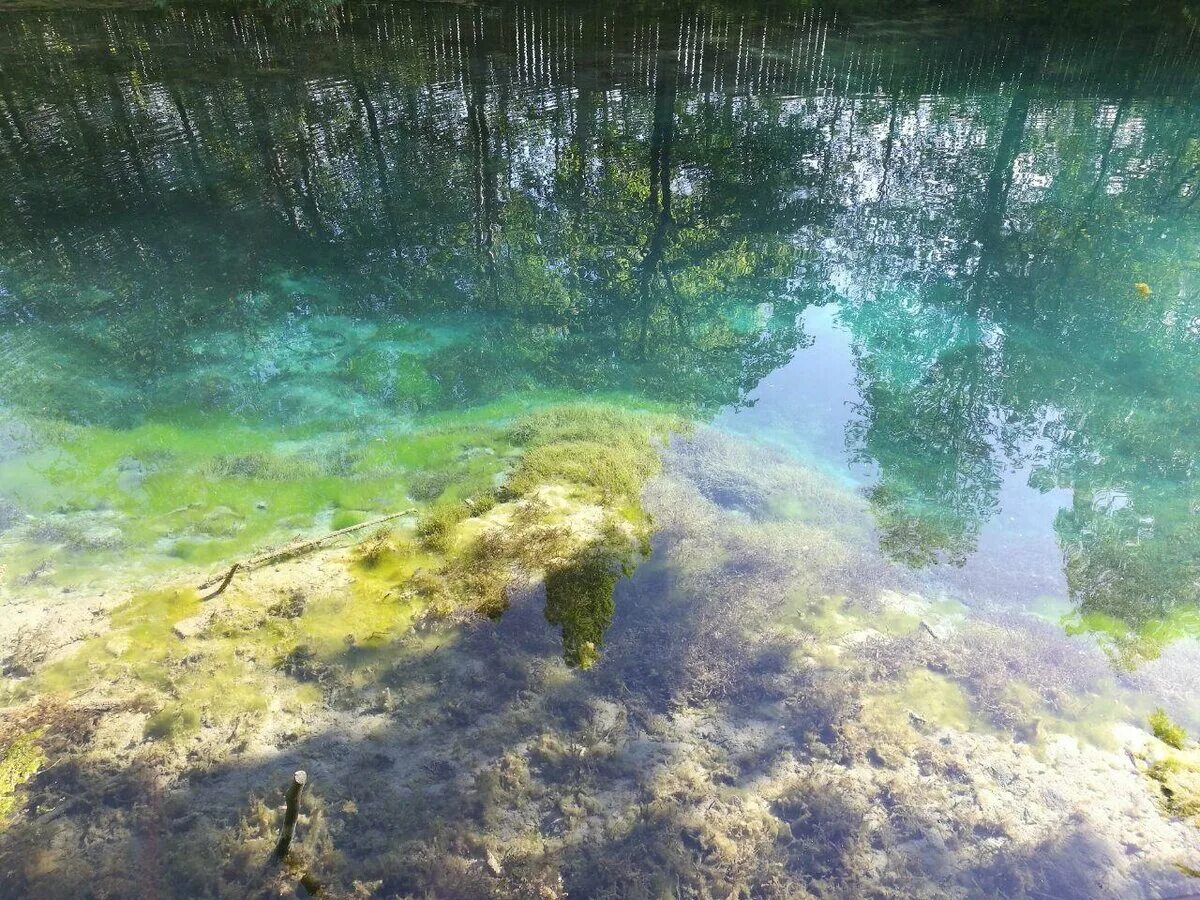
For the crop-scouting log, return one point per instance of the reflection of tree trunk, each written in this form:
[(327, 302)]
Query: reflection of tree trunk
[(192, 141), (662, 139), (270, 157), (368, 106), (308, 186), (121, 114), (995, 198), (486, 188), (19, 150), (18, 134), (19, 138), (1102, 175), (888, 146), (1089, 206), (585, 113), (12, 117)]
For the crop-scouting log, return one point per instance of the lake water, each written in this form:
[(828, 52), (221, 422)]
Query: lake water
[(799, 412)]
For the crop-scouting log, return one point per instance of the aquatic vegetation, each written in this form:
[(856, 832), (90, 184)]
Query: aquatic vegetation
[(569, 507), (737, 761), (1178, 780), (604, 448), (1170, 733), (372, 551), (20, 760), (435, 528), (579, 598), (200, 664), (173, 721)]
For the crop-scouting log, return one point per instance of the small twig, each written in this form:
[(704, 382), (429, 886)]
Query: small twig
[(224, 583), (294, 549), (294, 792)]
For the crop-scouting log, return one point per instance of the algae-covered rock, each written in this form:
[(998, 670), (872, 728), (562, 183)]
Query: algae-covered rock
[(610, 450), (568, 512)]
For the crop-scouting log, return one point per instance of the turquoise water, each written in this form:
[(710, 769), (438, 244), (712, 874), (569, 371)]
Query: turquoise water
[(262, 278)]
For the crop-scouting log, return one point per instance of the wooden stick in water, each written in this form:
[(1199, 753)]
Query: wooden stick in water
[(224, 582), (294, 792), (294, 549)]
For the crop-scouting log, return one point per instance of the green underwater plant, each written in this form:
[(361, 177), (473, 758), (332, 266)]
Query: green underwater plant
[(19, 762), (1178, 781), (607, 451), (195, 664), (569, 511), (1170, 733), (579, 599)]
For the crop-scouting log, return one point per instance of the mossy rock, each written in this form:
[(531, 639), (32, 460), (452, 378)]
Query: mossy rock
[(613, 451)]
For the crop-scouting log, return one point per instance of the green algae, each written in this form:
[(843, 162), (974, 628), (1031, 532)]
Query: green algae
[(1177, 778), (172, 721), (825, 617), (436, 527), (186, 680), (609, 450), (194, 664), (206, 492), (600, 455), (579, 599), (19, 762), (140, 640), (392, 373), (932, 697), (1170, 733)]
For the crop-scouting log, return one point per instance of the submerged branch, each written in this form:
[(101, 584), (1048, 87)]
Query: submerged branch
[(292, 550), (224, 582)]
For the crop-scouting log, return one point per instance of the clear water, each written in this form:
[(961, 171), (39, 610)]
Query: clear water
[(925, 296)]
